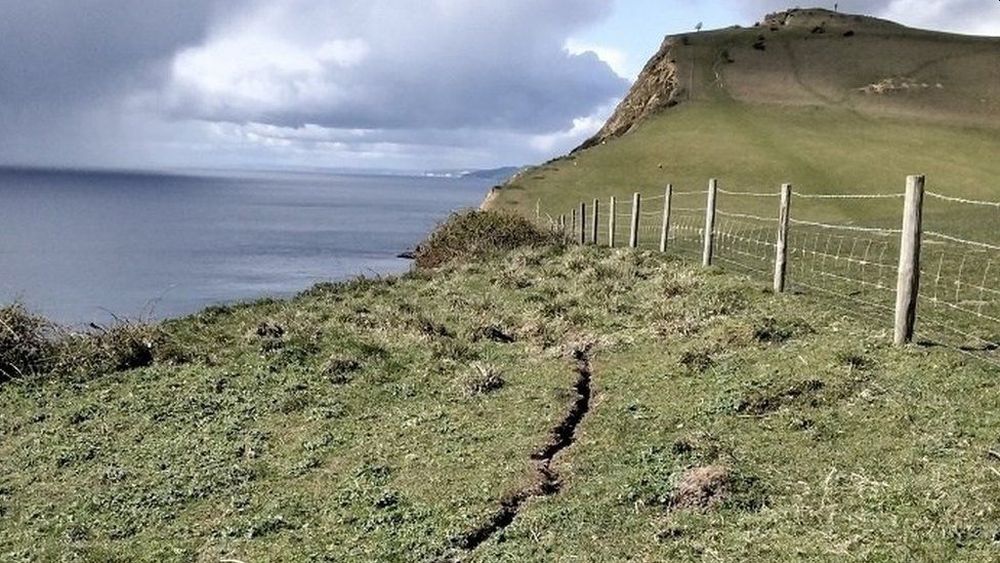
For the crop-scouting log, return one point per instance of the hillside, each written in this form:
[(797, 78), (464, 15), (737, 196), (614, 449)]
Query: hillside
[(826, 101), (552, 404)]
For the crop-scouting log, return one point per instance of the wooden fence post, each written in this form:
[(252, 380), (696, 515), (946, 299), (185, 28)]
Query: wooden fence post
[(612, 216), (908, 284), (583, 223), (665, 226), (633, 239), (707, 253), (572, 225), (562, 225), (596, 225), (781, 246)]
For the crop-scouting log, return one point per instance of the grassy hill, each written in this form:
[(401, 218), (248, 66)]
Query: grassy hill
[(515, 399), (828, 102), (550, 404)]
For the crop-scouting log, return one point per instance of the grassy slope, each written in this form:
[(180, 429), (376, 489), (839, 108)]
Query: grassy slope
[(838, 443), (793, 113)]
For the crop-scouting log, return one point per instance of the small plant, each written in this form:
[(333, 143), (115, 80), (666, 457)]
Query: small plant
[(481, 380), (26, 343), (339, 369)]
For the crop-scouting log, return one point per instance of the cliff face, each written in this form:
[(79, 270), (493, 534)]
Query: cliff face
[(655, 89), (660, 86)]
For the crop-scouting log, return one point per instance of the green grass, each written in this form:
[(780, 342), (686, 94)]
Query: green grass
[(380, 420)]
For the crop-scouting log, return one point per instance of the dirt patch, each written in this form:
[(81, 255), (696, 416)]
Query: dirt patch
[(702, 488), (493, 333), (761, 403)]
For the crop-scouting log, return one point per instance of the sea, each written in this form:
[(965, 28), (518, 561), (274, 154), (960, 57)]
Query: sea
[(84, 247)]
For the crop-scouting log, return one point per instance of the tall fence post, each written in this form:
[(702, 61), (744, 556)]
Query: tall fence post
[(908, 284), (595, 226), (781, 246), (707, 253), (668, 195), (612, 216), (572, 226), (583, 223), (562, 225), (633, 239)]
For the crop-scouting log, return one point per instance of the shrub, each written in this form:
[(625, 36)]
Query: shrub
[(26, 342), (122, 347), (481, 380), (479, 234)]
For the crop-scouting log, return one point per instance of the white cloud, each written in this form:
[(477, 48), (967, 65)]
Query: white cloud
[(615, 58), (383, 64)]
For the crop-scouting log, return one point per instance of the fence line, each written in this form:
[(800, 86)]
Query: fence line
[(942, 285)]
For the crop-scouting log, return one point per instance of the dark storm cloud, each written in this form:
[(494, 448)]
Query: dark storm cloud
[(131, 81), (382, 64), (67, 51)]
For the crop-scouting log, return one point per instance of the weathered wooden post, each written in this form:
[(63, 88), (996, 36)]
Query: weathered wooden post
[(708, 252), (612, 215), (595, 226), (562, 225), (633, 239), (668, 195), (572, 225), (781, 246), (908, 284), (583, 224)]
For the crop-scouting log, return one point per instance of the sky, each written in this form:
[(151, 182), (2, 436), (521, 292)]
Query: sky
[(377, 84)]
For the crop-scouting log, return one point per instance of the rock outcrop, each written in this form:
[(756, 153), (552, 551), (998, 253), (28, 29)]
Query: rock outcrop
[(655, 89)]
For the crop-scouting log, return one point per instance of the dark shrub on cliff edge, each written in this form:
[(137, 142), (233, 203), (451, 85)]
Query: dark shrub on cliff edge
[(30, 346), (26, 344), (478, 234)]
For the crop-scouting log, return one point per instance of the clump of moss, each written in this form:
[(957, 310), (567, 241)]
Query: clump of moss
[(26, 342), (476, 235)]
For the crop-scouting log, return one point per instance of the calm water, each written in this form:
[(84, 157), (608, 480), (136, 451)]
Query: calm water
[(80, 246)]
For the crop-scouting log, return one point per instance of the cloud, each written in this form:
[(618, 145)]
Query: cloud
[(615, 58), (382, 64), (166, 82)]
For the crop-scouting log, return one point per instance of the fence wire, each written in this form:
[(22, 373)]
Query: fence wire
[(830, 254)]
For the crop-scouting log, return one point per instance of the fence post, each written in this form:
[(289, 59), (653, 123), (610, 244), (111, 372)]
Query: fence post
[(612, 216), (781, 246), (562, 225), (572, 225), (633, 239), (707, 254), (597, 217), (665, 226), (583, 223), (908, 284)]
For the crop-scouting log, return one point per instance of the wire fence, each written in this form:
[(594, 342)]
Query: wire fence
[(848, 247)]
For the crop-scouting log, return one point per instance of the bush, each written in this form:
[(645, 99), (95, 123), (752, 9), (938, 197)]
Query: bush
[(31, 345), (122, 347), (26, 343), (479, 234)]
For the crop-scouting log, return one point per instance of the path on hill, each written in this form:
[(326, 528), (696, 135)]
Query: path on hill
[(546, 481)]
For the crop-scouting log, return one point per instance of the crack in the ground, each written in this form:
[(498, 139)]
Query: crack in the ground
[(546, 480)]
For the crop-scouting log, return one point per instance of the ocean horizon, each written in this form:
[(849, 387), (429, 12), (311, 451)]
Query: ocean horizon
[(90, 246)]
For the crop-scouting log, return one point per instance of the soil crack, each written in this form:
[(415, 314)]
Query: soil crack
[(546, 481)]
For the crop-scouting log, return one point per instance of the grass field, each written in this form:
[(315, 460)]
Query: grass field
[(760, 107), (386, 420)]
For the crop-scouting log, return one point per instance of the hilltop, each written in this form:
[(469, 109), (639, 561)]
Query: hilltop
[(824, 100)]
